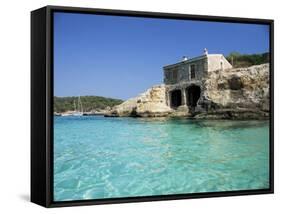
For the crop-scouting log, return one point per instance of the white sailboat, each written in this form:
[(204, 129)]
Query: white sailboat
[(79, 110)]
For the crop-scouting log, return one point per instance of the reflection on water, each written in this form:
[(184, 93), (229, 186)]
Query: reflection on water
[(97, 157)]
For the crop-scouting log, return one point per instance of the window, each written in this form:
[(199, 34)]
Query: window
[(171, 75), (168, 75), (192, 71), (175, 75)]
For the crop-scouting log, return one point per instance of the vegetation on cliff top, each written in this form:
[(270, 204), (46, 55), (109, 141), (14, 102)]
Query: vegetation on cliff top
[(89, 103), (245, 60)]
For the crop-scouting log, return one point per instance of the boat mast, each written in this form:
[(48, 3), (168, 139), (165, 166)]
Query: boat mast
[(74, 105), (80, 104)]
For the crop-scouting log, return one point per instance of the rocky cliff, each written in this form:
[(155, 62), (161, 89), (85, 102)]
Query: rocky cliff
[(241, 93), (236, 93), (151, 103)]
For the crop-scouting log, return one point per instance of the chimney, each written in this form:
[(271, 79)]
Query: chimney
[(205, 51)]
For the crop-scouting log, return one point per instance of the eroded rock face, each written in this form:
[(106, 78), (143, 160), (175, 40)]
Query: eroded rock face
[(151, 103), (240, 91)]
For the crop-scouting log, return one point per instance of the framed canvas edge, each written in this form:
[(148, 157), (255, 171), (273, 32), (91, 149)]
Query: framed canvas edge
[(38, 123), (49, 104), (159, 198)]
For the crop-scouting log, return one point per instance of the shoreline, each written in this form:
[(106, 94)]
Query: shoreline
[(265, 119)]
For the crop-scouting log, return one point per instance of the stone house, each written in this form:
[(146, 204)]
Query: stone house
[(184, 79), (204, 87)]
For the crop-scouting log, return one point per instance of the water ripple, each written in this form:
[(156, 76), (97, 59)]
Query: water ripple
[(97, 157)]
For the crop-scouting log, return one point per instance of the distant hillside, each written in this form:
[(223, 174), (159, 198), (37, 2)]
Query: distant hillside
[(245, 60), (89, 103)]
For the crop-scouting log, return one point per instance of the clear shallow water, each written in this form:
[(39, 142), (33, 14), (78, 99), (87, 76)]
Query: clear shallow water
[(97, 157)]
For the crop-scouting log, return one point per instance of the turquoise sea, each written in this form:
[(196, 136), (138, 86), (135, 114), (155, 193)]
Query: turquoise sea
[(97, 157)]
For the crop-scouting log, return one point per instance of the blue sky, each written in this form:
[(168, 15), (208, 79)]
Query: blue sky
[(121, 57)]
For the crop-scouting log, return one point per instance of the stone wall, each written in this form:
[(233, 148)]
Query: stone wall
[(217, 62), (180, 72), (183, 71)]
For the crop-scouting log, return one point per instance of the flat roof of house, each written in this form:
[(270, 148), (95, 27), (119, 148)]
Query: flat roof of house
[(190, 60)]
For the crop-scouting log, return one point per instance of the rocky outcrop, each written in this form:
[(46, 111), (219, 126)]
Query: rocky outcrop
[(151, 103), (241, 93), (236, 93)]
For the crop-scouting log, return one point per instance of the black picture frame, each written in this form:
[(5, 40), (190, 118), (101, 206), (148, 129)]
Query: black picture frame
[(42, 104)]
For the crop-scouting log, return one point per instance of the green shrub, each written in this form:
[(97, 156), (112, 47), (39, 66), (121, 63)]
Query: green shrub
[(245, 60)]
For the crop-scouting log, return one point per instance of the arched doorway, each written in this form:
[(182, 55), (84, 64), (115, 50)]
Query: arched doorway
[(175, 98), (193, 94)]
